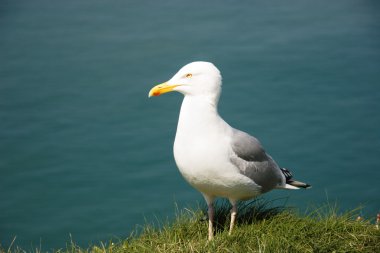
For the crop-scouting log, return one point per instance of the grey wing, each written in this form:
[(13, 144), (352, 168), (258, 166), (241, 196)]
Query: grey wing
[(252, 161)]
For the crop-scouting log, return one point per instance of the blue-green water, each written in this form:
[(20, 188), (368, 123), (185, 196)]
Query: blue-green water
[(83, 151)]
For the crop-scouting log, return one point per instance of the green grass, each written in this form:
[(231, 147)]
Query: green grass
[(260, 228)]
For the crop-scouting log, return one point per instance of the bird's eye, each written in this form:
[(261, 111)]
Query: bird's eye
[(189, 75)]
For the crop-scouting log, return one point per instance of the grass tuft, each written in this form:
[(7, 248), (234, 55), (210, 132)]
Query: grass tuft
[(260, 228)]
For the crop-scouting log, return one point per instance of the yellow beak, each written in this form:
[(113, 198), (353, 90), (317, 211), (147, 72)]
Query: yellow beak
[(161, 89)]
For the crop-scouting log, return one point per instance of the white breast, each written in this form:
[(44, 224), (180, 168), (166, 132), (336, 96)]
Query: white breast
[(202, 152)]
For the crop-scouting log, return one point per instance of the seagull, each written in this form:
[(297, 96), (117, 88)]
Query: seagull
[(213, 157)]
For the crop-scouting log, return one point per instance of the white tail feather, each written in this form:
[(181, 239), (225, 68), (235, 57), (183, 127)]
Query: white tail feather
[(290, 187)]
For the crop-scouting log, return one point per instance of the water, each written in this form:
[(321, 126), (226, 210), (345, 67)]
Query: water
[(83, 151)]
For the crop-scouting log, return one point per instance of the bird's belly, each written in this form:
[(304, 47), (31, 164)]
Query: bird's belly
[(215, 183), (210, 171)]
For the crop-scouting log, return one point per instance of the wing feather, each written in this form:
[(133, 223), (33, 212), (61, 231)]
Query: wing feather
[(251, 159)]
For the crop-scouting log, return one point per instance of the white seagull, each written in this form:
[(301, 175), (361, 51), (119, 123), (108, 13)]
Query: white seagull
[(213, 157)]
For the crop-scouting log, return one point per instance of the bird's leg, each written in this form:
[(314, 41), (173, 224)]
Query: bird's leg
[(210, 221), (210, 211), (233, 216)]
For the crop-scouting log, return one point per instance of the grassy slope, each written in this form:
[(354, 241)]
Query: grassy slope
[(259, 229)]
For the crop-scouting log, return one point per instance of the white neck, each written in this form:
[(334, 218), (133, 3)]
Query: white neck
[(197, 114), (200, 118)]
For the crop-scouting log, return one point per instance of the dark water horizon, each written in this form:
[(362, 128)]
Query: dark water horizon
[(83, 151)]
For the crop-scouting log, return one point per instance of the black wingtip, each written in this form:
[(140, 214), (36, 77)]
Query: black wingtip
[(288, 176)]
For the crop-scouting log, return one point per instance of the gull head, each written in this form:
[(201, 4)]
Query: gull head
[(194, 79)]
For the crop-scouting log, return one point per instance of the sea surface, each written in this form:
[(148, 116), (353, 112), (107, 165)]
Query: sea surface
[(85, 155)]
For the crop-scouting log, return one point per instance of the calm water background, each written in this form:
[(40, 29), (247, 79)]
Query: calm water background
[(83, 151)]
